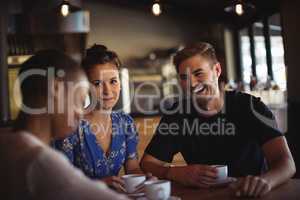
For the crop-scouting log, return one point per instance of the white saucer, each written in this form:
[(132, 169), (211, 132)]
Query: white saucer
[(170, 198), (139, 194), (223, 182)]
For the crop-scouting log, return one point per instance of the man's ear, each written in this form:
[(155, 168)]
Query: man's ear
[(218, 69)]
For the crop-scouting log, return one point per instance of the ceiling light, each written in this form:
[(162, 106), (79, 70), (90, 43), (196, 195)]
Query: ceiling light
[(156, 8), (65, 9), (239, 7)]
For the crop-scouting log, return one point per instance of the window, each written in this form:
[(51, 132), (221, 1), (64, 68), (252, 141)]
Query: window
[(246, 57), (277, 67), (260, 53), (277, 51)]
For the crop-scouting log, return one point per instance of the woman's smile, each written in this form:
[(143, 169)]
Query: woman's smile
[(108, 98)]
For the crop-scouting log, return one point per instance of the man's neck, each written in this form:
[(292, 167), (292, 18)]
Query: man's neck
[(39, 126), (213, 106)]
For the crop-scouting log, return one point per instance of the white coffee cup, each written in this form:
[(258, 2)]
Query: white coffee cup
[(158, 189), (132, 181), (222, 172)]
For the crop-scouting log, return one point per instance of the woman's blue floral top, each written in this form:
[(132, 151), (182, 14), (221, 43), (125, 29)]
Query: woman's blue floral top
[(85, 153)]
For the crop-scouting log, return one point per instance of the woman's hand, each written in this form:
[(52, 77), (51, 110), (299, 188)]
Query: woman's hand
[(251, 186), (115, 182)]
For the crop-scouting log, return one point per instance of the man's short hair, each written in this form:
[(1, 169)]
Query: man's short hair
[(202, 48), (35, 87)]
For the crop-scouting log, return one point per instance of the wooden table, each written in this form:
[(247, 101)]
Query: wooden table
[(287, 191)]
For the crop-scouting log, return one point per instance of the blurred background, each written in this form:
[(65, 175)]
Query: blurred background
[(257, 44)]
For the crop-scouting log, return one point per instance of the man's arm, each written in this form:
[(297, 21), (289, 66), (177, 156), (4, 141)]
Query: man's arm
[(157, 167), (280, 161), (281, 168), (190, 175)]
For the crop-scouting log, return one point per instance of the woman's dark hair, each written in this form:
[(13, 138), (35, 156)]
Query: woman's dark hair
[(99, 54)]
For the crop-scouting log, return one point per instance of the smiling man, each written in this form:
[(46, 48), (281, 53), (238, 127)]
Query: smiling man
[(217, 128)]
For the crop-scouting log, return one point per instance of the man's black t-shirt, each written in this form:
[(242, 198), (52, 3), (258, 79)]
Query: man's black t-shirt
[(233, 137)]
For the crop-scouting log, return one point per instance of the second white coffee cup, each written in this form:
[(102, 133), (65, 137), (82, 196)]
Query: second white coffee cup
[(158, 189)]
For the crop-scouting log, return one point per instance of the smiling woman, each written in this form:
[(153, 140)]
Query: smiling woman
[(106, 140)]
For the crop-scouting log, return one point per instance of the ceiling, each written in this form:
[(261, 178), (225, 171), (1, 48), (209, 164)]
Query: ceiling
[(207, 10), (202, 10)]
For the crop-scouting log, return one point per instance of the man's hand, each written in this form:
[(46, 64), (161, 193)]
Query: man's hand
[(193, 175), (251, 186), (150, 177)]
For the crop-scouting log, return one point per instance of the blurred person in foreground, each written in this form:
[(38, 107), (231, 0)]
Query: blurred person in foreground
[(53, 91)]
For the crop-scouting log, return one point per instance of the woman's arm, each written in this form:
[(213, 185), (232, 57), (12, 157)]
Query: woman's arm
[(132, 167), (132, 139)]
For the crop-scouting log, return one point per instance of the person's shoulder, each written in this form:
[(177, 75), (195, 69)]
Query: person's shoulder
[(122, 117), (50, 163), (178, 110), (248, 104), (123, 123), (176, 104), (238, 95), (27, 142), (176, 107), (73, 137), (67, 143), (47, 153), (241, 98)]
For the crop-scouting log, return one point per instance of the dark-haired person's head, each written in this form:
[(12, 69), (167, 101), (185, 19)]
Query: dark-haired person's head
[(53, 86), (199, 70), (102, 68)]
